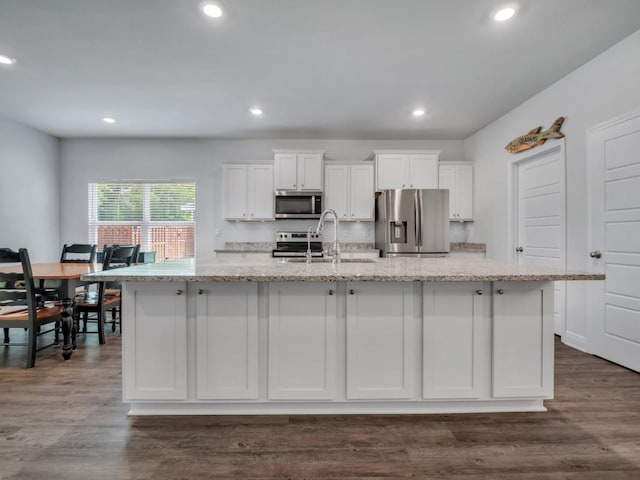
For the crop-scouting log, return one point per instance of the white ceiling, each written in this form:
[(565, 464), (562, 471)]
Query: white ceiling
[(318, 68)]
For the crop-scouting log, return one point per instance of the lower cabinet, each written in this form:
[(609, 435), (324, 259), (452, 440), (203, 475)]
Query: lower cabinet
[(522, 339), (227, 340), (302, 341), (455, 339), (154, 340), (381, 341)]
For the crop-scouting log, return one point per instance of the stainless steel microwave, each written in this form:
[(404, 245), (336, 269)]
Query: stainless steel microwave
[(298, 204)]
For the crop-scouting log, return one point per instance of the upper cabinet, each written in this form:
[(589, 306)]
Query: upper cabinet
[(248, 192), (406, 168), (349, 191), (298, 170), (458, 179)]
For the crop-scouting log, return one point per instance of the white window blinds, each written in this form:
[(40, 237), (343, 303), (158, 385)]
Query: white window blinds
[(158, 216)]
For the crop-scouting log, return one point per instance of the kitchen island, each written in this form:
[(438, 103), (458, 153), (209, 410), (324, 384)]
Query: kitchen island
[(439, 335)]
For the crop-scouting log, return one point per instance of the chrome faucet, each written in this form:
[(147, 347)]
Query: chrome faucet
[(335, 254), (308, 254)]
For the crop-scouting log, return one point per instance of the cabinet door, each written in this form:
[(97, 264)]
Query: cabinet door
[(336, 190), (302, 341), (391, 171), (227, 340), (423, 171), (285, 171), (260, 192), (235, 191), (455, 334), (361, 196), (154, 341), (464, 192), (310, 172), (523, 339), (447, 181), (381, 341)]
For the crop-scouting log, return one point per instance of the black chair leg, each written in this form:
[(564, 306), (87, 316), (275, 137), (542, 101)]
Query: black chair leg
[(56, 338), (31, 353), (6, 336), (100, 322), (85, 318), (113, 320)]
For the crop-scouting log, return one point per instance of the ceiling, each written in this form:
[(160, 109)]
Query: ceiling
[(318, 68)]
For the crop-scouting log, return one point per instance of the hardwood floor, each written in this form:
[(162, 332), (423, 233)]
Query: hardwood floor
[(65, 420)]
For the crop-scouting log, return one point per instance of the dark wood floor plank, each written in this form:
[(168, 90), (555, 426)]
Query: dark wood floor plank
[(66, 420)]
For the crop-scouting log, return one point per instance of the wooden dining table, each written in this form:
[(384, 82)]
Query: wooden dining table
[(69, 276)]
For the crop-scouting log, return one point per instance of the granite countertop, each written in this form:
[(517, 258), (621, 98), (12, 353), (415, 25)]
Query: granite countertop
[(447, 269)]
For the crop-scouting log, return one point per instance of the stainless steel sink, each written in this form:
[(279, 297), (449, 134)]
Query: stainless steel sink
[(328, 260)]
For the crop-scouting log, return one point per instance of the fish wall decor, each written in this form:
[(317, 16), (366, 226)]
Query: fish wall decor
[(535, 137)]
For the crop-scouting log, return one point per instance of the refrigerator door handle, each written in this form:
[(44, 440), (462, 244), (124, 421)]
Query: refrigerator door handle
[(417, 200)]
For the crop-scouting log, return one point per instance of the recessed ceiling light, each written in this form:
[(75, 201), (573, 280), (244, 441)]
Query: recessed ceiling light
[(418, 112), (256, 111), (504, 14), (108, 120), (6, 60), (211, 9)]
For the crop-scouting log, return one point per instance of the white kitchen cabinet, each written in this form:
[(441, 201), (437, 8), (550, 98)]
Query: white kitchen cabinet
[(154, 341), (406, 169), (301, 170), (381, 341), (248, 192), (349, 191), (455, 339), (227, 340), (458, 179), (302, 341), (523, 339)]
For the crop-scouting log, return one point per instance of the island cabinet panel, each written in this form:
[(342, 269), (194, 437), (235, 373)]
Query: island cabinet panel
[(455, 336), (227, 340), (302, 341), (381, 341), (154, 341), (523, 339)]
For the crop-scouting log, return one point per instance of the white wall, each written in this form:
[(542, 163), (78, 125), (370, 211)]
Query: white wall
[(89, 160), (605, 87), (29, 191)]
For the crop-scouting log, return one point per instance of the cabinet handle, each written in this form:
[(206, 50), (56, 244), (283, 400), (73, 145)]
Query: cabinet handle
[(352, 292), (519, 249), (500, 291), (331, 292), (302, 186), (178, 292), (200, 291), (595, 254), (411, 186), (294, 185), (479, 292), (403, 185), (252, 214)]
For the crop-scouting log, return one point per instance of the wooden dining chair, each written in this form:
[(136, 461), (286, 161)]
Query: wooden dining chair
[(19, 305), (78, 253), (94, 305)]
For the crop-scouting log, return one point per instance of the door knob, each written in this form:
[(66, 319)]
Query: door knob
[(352, 292), (479, 292), (330, 292), (200, 291), (500, 291), (519, 249), (178, 292), (595, 254)]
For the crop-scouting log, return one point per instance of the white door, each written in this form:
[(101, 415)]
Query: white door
[(310, 171), (464, 192), (235, 191), (540, 238), (285, 171), (614, 304), (392, 171), (335, 189), (361, 196), (423, 171), (302, 347), (260, 192), (381, 341), (447, 181), (227, 340)]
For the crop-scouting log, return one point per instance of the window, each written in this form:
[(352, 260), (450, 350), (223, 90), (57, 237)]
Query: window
[(158, 216)]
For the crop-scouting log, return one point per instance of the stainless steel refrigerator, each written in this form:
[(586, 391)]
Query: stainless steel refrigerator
[(412, 222)]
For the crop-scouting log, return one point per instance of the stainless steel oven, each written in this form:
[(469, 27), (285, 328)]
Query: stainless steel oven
[(295, 244), (298, 204)]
